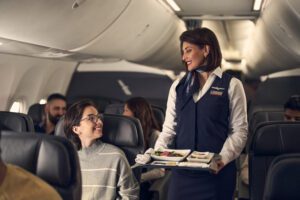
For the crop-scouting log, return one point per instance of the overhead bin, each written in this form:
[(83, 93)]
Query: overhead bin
[(151, 38), (139, 31), (276, 45)]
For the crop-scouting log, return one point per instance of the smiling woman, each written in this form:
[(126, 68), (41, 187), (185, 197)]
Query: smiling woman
[(106, 173)]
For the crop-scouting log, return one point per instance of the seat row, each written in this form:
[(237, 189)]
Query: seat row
[(55, 159)]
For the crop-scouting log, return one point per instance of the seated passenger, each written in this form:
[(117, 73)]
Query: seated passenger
[(106, 173), (139, 108), (16, 183), (291, 113), (54, 110)]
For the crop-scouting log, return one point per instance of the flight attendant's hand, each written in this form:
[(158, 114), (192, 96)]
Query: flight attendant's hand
[(220, 165)]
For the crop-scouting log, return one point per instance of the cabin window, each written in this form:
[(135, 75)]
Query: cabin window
[(18, 107)]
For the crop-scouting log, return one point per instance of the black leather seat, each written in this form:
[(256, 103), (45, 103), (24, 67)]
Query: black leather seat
[(36, 112), (18, 122), (115, 108), (125, 133), (270, 139), (54, 159), (283, 178)]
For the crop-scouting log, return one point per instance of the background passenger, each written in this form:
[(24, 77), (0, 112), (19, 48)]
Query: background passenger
[(106, 173), (55, 108), (140, 108), (17, 183)]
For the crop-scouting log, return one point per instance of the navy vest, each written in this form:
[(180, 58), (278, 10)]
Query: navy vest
[(203, 126)]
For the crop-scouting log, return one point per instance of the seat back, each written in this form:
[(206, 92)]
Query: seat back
[(283, 178), (36, 112), (270, 139), (115, 108), (125, 133), (159, 115), (18, 122), (53, 159)]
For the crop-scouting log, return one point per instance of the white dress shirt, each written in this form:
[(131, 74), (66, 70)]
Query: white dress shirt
[(238, 125)]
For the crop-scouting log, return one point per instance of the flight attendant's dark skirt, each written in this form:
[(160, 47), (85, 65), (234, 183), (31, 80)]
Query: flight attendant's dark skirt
[(197, 185)]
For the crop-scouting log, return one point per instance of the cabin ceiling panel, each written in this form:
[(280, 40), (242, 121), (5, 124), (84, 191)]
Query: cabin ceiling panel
[(215, 7), (55, 23)]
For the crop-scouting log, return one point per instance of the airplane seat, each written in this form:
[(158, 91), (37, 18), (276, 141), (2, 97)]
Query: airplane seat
[(159, 115), (53, 159), (59, 128), (18, 122), (36, 112), (270, 139), (115, 108), (262, 116), (283, 178), (125, 133)]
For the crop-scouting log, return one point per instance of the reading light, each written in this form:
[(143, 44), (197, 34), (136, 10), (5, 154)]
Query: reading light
[(173, 5), (257, 5)]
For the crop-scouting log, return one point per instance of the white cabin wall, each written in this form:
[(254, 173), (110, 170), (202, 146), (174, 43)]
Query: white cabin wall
[(30, 79)]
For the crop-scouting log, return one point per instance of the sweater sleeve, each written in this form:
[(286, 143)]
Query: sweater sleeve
[(128, 187)]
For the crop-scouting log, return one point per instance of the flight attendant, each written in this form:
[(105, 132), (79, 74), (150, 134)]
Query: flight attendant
[(206, 111)]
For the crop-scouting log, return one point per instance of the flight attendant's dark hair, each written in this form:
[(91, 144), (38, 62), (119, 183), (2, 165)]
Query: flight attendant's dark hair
[(201, 37), (73, 117), (142, 110)]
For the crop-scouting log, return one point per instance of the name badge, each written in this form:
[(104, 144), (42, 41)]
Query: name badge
[(216, 91)]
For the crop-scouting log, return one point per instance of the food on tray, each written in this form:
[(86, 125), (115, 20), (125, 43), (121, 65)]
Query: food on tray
[(168, 153), (202, 157), (199, 155)]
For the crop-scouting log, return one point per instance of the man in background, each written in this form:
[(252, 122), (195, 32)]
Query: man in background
[(55, 108)]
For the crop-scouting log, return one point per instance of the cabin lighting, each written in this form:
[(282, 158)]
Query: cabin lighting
[(43, 101), (174, 5), (257, 5), (1, 43)]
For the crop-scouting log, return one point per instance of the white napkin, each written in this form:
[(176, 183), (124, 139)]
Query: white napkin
[(144, 158)]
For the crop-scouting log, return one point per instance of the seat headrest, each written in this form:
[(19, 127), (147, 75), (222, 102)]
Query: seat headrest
[(59, 127), (273, 138), (122, 131), (54, 159), (265, 116), (116, 108), (159, 115), (283, 178), (18, 122), (36, 112)]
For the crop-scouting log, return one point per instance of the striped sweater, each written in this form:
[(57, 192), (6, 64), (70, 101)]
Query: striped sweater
[(106, 174)]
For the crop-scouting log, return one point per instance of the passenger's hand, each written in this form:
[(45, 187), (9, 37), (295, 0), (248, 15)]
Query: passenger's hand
[(220, 165), (144, 158)]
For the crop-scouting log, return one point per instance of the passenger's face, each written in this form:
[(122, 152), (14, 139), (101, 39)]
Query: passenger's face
[(90, 126), (193, 56), (292, 115), (55, 109), (127, 111)]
